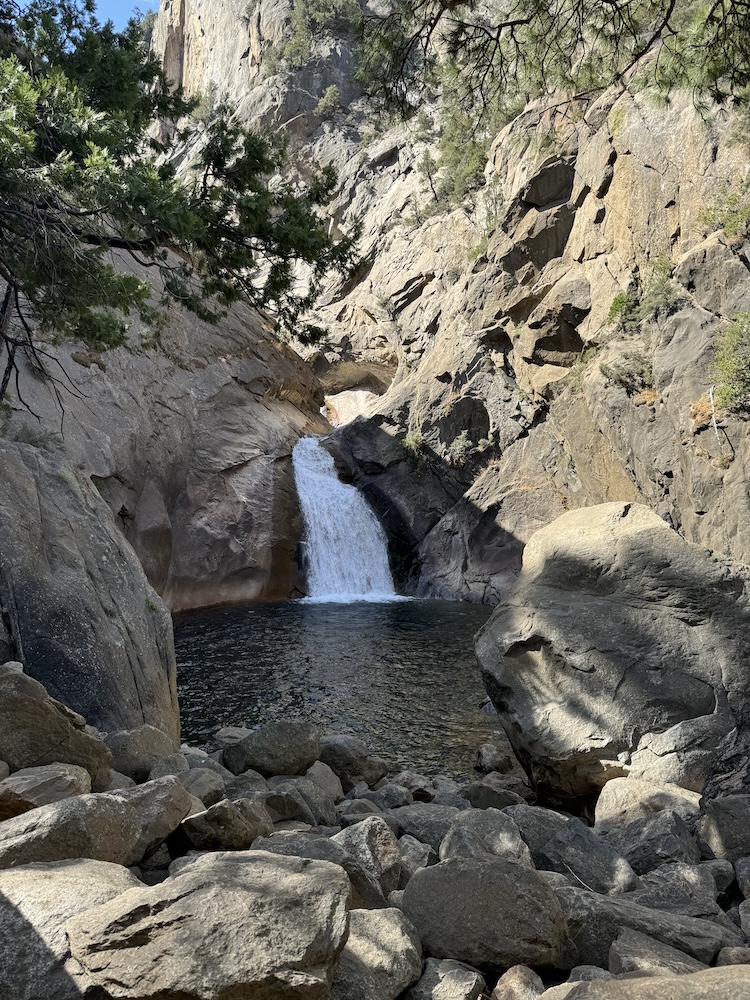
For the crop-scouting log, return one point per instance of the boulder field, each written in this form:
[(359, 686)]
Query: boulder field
[(290, 864)]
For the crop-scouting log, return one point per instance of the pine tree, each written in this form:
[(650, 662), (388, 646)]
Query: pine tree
[(81, 176)]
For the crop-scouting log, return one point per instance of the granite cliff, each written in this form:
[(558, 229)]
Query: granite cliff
[(481, 335)]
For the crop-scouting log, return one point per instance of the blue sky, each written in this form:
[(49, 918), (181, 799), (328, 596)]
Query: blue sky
[(120, 11)]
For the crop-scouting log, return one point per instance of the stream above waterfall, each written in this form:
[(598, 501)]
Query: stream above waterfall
[(400, 675)]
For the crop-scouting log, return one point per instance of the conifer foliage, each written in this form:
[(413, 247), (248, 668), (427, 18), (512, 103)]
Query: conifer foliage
[(530, 47), (82, 176)]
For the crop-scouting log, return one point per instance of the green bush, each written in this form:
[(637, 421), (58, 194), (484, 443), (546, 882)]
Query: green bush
[(656, 295), (624, 312), (730, 212), (460, 449), (633, 372), (731, 366), (413, 442), (329, 103), (310, 17)]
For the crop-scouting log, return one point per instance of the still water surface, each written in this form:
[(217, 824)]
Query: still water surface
[(400, 675)]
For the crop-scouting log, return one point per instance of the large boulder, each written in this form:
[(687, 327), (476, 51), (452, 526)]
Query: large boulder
[(135, 751), (487, 912), (100, 827), (35, 902), (595, 922), (38, 786), (77, 609), (619, 643), (36, 729), (276, 748), (241, 924)]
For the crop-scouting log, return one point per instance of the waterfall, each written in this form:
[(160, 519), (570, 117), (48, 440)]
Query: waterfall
[(346, 554)]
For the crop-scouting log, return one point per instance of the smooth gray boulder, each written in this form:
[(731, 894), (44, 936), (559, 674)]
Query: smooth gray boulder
[(487, 795), (421, 788), (390, 796), (275, 748), (518, 983), (596, 921), (381, 957), (495, 830), (636, 952), (348, 758), (733, 956), (76, 606), (489, 912), (444, 979), (173, 763), (318, 801), (101, 827), (352, 811), (159, 806), (617, 631), (322, 775), (414, 855), (681, 888), (587, 860), (136, 751), (426, 821), (226, 924), (227, 736), (36, 729), (537, 826), (712, 984), (35, 902), (245, 785), (38, 786), (204, 784)]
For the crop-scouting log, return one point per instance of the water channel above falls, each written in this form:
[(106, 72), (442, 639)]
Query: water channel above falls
[(401, 675)]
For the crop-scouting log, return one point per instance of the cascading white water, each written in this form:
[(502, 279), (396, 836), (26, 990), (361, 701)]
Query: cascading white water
[(346, 552)]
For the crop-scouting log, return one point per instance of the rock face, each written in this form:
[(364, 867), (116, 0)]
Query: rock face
[(226, 924), (75, 607), (198, 474), (621, 645)]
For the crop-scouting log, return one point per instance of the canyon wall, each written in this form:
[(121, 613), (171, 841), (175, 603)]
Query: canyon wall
[(503, 391)]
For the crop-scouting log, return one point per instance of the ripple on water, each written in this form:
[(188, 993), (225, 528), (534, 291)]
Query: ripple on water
[(401, 675)]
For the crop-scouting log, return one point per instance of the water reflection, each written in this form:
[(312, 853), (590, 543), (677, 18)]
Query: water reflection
[(400, 675)]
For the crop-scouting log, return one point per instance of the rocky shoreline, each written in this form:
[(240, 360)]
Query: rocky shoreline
[(290, 864)]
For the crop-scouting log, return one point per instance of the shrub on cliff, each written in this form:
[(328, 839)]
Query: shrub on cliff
[(81, 175), (731, 366)]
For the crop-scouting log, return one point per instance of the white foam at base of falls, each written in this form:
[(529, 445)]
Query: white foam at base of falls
[(345, 548)]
